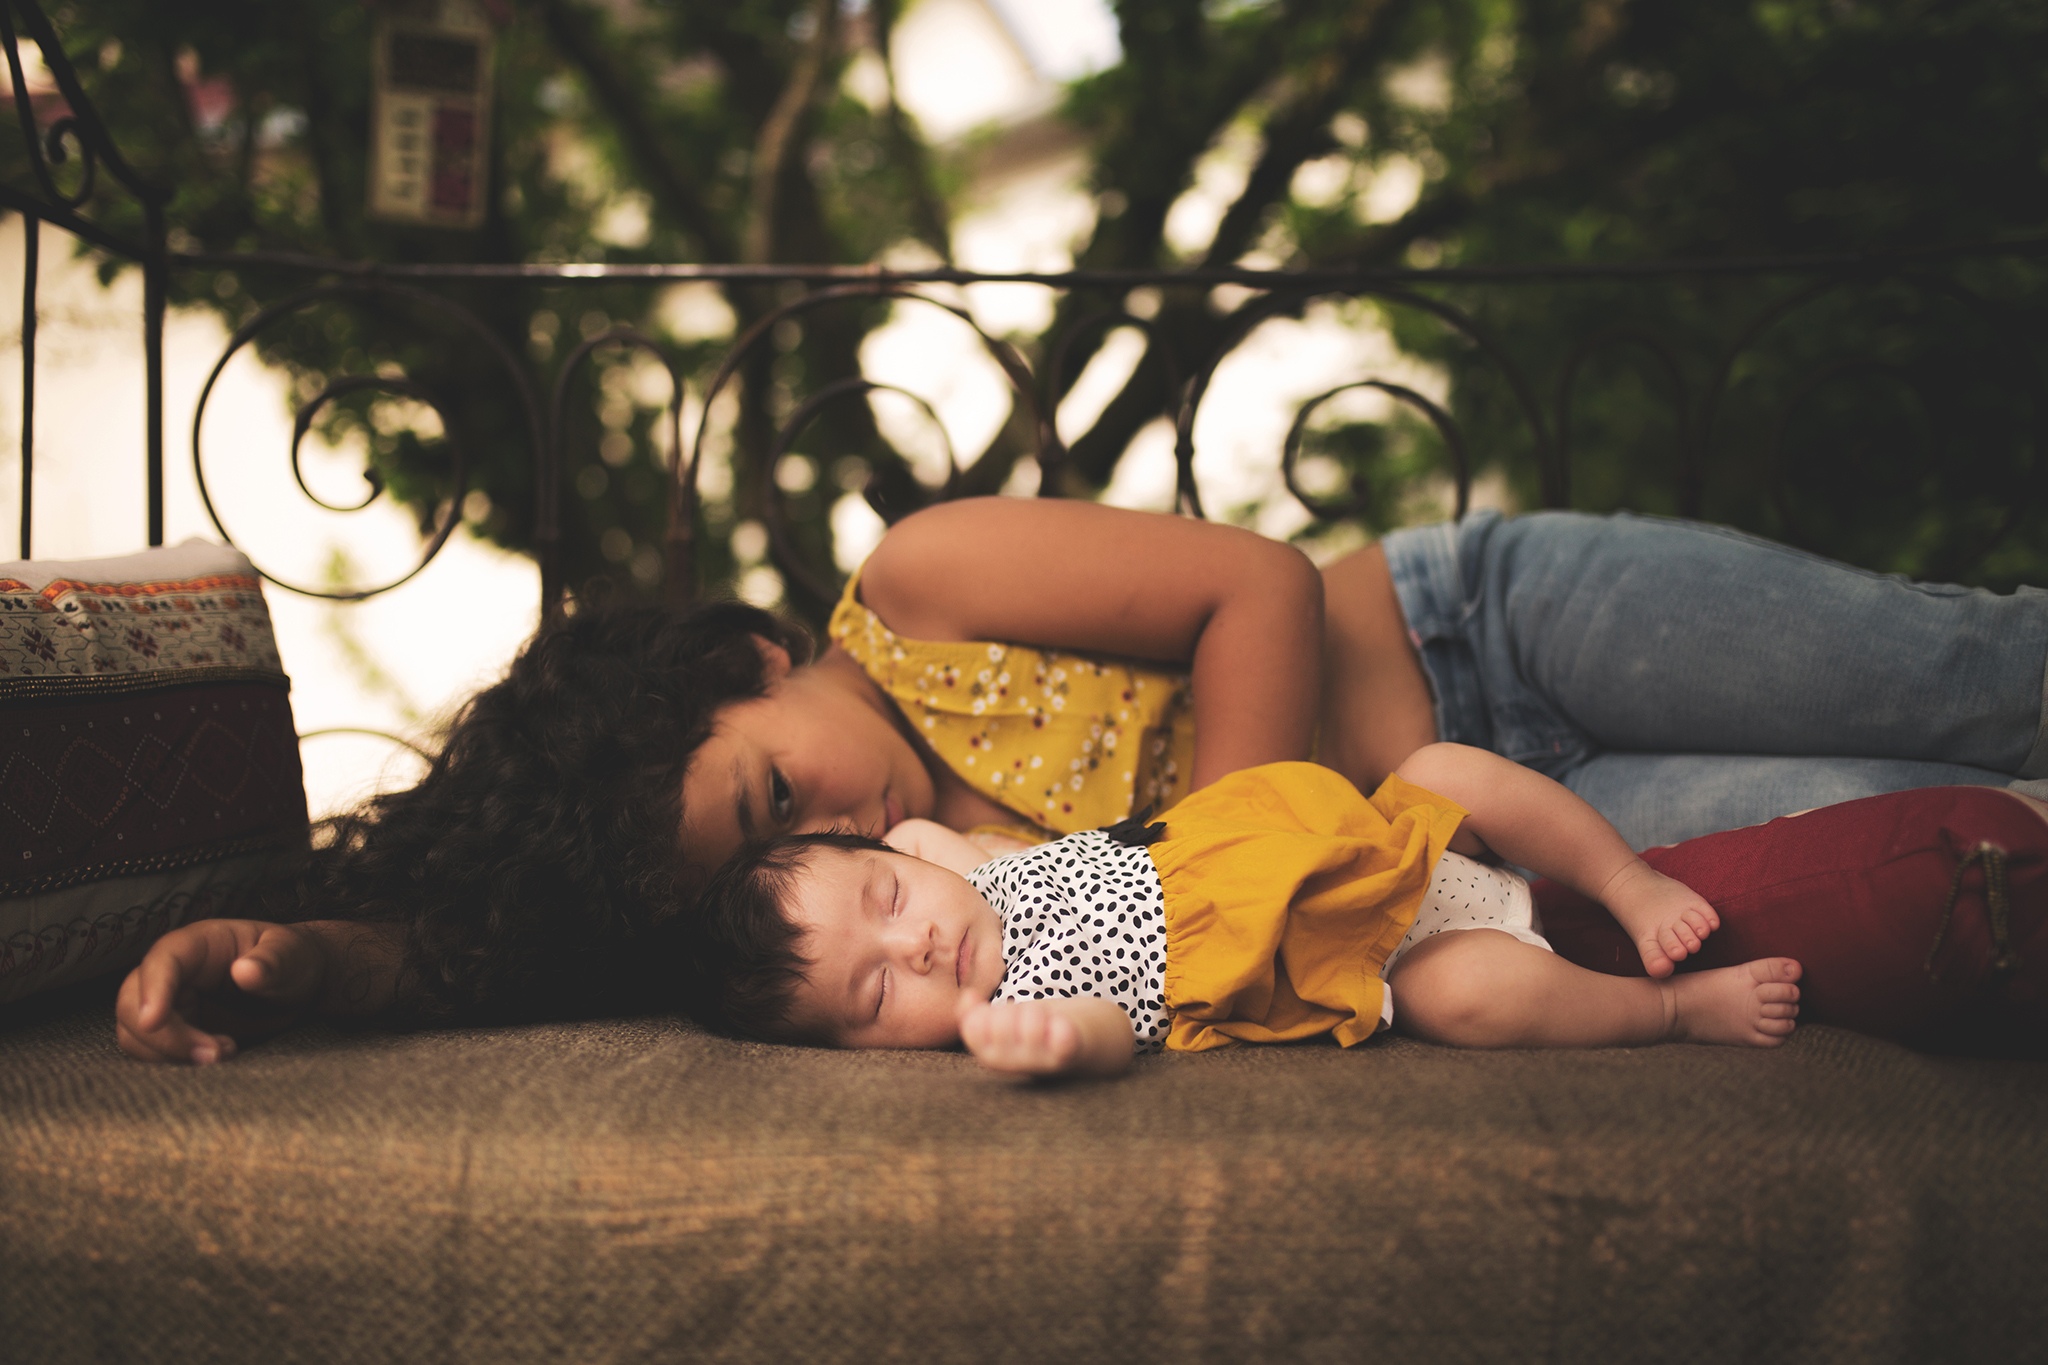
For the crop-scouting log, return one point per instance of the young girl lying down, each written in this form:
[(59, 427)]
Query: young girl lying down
[(1275, 904)]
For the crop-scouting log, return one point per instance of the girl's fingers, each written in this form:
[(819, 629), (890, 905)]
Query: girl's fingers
[(281, 965), (196, 955), (212, 1048), (173, 1041), (152, 1012)]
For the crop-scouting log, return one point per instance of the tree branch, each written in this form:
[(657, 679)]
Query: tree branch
[(928, 210), (1301, 131), (778, 141), (674, 189)]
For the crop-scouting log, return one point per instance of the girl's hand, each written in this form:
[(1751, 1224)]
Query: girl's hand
[(1667, 919), (1064, 1037), (204, 986)]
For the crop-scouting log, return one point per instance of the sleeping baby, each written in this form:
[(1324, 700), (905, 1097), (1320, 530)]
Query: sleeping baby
[(1278, 903)]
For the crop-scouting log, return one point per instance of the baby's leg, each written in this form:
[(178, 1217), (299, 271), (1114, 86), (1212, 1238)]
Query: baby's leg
[(1484, 988)]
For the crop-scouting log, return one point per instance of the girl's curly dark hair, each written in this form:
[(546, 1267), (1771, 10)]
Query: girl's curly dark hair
[(543, 845)]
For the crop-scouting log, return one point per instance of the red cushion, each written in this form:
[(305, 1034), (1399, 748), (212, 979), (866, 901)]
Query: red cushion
[(1855, 893)]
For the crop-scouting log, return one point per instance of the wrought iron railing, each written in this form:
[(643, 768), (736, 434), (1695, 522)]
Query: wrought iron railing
[(79, 135)]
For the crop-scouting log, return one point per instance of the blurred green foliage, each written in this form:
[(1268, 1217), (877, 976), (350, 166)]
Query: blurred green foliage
[(1891, 420)]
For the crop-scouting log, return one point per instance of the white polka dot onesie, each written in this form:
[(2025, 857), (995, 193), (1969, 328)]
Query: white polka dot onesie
[(1086, 916)]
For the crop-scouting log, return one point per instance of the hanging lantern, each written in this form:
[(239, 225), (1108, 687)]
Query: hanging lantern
[(431, 113)]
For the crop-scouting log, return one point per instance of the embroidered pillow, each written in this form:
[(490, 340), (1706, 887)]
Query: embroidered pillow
[(149, 771)]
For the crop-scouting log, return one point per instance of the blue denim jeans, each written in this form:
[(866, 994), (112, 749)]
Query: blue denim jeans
[(1686, 678)]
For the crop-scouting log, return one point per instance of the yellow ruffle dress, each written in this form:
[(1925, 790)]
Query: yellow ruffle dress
[(1065, 741), (1286, 891)]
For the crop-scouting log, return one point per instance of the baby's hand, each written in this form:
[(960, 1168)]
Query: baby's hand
[(933, 842), (1019, 1037), (1667, 919), (204, 984), (997, 845)]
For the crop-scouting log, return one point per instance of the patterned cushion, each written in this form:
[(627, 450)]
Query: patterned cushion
[(149, 771)]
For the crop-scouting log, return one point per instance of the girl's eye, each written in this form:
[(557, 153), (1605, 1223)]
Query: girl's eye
[(882, 994), (781, 799)]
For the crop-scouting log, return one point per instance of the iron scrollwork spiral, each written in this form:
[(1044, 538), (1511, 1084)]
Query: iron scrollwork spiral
[(1359, 503), (396, 386), (782, 544), (79, 127), (1287, 303), (780, 541)]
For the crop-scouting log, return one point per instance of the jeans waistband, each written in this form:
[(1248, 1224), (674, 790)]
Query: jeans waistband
[(1431, 585)]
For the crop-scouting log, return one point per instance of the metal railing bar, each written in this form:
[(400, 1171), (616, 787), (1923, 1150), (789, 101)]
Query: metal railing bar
[(155, 294), (31, 253), (93, 132), (59, 216), (573, 272)]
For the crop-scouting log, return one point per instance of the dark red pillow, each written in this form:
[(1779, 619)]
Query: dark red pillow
[(1860, 894)]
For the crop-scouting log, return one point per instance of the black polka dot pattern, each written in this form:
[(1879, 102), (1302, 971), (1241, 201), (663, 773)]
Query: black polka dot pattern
[(1084, 915)]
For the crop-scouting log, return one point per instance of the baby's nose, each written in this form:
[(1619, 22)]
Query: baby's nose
[(914, 944)]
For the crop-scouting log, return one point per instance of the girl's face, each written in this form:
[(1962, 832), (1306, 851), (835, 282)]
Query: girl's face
[(896, 945), (819, 751)]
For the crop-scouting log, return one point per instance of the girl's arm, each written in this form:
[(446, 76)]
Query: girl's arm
[(1243, 613), (1539, 824), (1068, 1037), (205, 987)]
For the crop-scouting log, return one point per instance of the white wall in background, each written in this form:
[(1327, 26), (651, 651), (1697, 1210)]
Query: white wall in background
[(435, 639)]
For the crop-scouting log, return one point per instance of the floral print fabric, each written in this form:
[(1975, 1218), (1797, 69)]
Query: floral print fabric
[(1065, 741)]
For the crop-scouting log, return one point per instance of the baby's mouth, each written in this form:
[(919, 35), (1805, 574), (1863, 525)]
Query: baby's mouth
[(960, 963)]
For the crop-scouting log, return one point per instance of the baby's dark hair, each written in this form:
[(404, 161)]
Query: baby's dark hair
[(739, 955), (531, 865)]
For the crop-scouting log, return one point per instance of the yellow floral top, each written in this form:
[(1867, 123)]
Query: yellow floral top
[(1066, 741)]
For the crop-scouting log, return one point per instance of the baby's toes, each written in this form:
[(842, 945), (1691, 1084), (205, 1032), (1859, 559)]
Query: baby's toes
[(1679, 940), (1774, 971)]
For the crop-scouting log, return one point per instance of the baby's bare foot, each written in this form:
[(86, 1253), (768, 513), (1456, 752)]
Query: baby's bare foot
[(1751, 1005), (1667, 919)]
